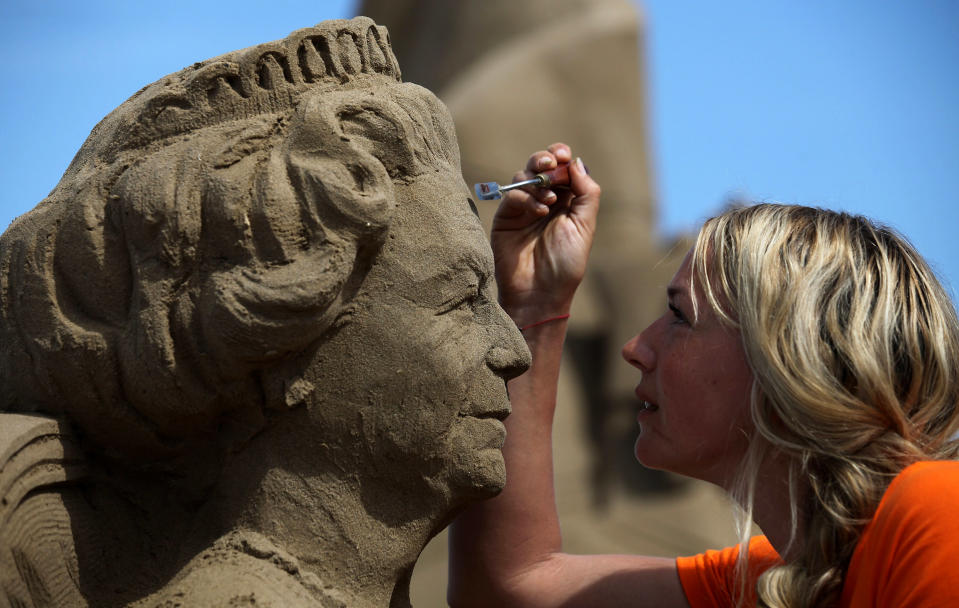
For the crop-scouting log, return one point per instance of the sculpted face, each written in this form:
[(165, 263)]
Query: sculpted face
[(420, 368), (261, 285), (410, 385)]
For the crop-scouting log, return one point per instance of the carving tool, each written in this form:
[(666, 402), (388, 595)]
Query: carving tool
[(559, 176)]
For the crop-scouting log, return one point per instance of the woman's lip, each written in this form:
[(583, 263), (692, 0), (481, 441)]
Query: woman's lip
[(647, 407), (643, 398)]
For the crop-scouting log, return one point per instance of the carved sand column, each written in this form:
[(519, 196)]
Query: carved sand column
[(249, 354)]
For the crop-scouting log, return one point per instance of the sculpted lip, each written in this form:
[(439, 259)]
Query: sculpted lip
[(490, 432), (497, 407), (499, 413)]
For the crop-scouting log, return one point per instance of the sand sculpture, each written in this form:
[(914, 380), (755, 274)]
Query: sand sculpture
[(249, 351), (516, 76)]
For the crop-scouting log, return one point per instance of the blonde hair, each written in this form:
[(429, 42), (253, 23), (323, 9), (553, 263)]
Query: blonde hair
[(853, 344)]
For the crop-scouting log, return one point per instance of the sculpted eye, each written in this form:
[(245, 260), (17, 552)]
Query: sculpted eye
[(463, 301)]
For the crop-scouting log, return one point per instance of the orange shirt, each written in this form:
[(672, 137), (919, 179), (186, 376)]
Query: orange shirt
[(908, 554)]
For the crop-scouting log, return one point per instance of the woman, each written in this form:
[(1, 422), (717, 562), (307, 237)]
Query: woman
[(806, 363)]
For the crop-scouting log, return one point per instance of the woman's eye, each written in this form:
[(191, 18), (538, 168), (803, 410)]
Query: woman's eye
[(677, 314)]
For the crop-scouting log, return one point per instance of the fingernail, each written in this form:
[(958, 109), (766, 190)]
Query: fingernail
[(545, 162), (579, 165)]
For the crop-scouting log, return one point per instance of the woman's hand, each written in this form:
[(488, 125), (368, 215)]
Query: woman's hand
[(541, 239), (508, 551)]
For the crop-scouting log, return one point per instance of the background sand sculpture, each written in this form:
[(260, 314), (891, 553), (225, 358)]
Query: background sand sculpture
[(516, 76), (249, 354)]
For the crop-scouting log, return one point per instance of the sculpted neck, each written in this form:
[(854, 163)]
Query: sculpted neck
[(361, 539)]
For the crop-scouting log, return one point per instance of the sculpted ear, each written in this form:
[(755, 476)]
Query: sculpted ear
[(345, 152), (352, 194), (336, 166), (253, 315)]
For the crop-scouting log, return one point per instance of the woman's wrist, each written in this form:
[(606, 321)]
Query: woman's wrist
[(535, 324), (536, 315)]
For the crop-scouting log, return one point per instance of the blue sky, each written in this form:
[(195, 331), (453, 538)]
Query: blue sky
[(849, 105)]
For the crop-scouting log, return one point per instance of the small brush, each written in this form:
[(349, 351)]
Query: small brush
[(559, 176)]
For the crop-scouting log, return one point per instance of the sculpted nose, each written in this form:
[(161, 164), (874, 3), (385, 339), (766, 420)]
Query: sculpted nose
[(509, 356), (508, 363), (638, 353)]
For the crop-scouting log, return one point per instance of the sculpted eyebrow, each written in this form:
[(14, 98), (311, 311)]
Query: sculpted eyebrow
[(463, 264), (465, 272)]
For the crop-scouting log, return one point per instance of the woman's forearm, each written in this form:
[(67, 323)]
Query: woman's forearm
[(540, 240), (495, 541)]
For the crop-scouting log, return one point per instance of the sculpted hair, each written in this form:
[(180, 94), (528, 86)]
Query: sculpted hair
[(211, 228), (854, 347)]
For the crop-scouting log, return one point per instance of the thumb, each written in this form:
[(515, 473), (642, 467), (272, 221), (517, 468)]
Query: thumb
[(586, 192)]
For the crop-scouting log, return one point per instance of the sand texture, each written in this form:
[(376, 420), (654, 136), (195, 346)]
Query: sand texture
[(249, 351)]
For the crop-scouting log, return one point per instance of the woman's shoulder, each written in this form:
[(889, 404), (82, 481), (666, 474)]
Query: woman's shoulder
[(905, 555), (935, 480), (916, 511)]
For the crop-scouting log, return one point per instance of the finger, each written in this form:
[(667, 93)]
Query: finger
[(522, 176), (543, 195), (561, 151), (586, 191), (518, 203), (542, 160)]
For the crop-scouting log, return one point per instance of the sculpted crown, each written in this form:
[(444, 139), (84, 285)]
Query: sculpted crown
[(260, 79)]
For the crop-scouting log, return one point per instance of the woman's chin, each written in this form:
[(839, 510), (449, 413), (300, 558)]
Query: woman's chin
[(649, 455)]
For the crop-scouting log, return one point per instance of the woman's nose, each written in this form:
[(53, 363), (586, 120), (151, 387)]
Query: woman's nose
[(638, 353)]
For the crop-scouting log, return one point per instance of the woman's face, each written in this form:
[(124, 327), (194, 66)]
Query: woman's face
[(694, 418)]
